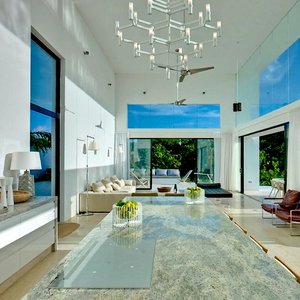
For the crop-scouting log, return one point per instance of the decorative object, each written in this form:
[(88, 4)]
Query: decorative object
[(127, 213), (10, 196), (164, 189), (21, 196), (92, 146), (164, 36), (194, 195), (26, 161), (3, 201), (7, 172)]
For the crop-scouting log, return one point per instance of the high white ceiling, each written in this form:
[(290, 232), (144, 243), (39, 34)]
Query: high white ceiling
[(245, 23)]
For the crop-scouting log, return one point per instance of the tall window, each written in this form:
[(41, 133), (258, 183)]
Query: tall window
[(44, 117)]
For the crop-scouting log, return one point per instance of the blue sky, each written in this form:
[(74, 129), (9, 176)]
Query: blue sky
[(173, 116), (279, 82)]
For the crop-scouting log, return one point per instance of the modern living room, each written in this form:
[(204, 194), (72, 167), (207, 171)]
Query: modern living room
[(105, 98)]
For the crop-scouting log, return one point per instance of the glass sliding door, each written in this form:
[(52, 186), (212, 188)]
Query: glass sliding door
[(140, 162), (205, 161), (264, 164)]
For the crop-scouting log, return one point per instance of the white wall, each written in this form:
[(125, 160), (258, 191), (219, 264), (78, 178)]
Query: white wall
[(130, 90), (14, 77), (86, 98)]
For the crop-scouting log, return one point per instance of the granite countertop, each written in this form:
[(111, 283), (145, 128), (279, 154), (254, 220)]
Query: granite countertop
[(199, 254), (20, 208)]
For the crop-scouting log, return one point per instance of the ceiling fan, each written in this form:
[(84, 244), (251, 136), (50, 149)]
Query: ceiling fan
[(185, 72)]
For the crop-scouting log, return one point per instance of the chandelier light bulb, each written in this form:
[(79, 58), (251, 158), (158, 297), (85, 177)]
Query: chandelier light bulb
[(219, 26), (117, 27), (208, 13), (120, 37), (200, 46), (151, 35), (188, 35), (190, 7), (130, 11), (215, 39), (201, 20), (168, 73), (149, 7), (135, 18)]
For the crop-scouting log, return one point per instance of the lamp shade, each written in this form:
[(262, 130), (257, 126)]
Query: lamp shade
[(25, 161), (93, 146)]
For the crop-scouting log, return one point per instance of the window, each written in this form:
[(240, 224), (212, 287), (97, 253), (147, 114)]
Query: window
[(174, 116), (279, 81), (44, 117)]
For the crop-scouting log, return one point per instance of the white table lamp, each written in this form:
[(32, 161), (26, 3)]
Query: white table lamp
[(26, 161)]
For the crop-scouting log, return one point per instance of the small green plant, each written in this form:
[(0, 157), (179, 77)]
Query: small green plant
[(194, 192)]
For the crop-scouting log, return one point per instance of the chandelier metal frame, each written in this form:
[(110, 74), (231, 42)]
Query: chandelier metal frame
[(170, 24)]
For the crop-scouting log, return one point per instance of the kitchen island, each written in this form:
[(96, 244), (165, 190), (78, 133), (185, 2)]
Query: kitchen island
[(192, 252)]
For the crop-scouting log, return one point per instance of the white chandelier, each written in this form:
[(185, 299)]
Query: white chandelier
[(169, 39)]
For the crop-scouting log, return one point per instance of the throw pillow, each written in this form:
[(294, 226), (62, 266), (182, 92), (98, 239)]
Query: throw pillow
[(106, 181), (97, 186), (117, 182), (161, 172), (128, 182), (108, 188), (122, 182), (113, 178), (173, 172), (116, 187)]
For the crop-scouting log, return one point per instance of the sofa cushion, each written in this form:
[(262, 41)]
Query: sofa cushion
[(106, 181), (173, 172), (108, 187), (113, 178), (128, 182), (290, 198), (161, 172), (98, 187), (116, 187), (128, 189)]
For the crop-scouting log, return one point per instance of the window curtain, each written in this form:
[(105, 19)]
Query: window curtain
[(226, 160), (293, 178), (121, 154)]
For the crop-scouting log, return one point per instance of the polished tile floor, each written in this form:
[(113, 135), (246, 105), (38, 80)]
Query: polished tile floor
[(244, 210)]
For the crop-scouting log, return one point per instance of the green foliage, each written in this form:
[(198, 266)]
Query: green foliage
[(272, 157), (40, 141), (174, 154)]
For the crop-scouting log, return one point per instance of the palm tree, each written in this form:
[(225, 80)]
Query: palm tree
[(40, 141)]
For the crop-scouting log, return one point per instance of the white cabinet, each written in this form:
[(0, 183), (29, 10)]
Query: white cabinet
[(25, 235)]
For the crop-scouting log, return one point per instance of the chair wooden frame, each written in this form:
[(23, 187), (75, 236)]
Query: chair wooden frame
[(289, 269), (241, 228), (259, 244), (228, 215)]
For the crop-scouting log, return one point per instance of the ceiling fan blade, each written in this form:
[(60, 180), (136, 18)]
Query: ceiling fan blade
[(197, 70), (164, 67), (180, 102)]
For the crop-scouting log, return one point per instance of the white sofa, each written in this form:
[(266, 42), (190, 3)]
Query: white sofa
[(103, 201)]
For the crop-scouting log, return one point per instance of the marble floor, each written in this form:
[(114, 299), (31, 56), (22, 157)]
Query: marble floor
[(244, 210)]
